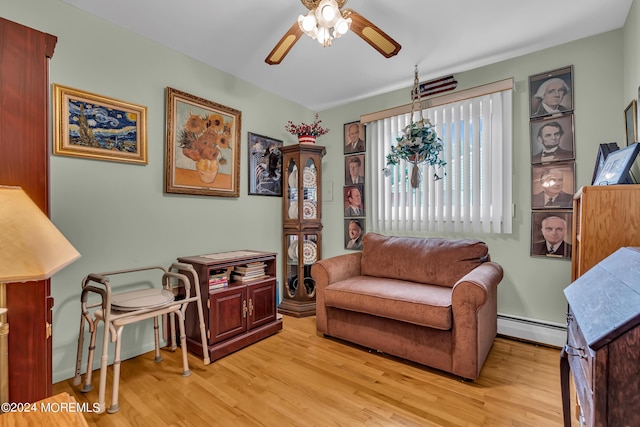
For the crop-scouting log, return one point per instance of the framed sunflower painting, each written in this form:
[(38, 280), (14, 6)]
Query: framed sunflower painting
[(203, 146)]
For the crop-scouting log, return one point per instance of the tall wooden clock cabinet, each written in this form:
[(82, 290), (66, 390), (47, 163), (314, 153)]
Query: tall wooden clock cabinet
[(24, 162), (302, 226)]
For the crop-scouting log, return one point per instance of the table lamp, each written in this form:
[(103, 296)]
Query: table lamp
[(31, 249)]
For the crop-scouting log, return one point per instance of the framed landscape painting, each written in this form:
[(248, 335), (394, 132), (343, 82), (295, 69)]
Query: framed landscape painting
[(203, 146), (97, 127)]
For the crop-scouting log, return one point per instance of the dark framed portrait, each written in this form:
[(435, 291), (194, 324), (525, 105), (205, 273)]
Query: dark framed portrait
[(354, 229), (603, 152), (553, 186), (354, 169), (353, 200), (631, 122), (354, 138), (551, 234), (265, 165), (617, 165), (552, 139), (551, 92)]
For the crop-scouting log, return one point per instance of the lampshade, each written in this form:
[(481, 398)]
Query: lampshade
[(31, 247)]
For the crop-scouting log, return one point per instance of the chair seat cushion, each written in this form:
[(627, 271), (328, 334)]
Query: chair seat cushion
[(417, 303), (141, 299)]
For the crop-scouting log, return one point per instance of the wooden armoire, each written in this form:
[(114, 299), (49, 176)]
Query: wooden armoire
[(24, 162)]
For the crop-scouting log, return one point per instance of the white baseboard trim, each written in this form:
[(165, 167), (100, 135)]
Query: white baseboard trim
[(549, 333)]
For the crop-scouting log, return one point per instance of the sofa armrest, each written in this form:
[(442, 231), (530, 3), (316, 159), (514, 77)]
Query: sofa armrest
[(328, 271), (474, 305)]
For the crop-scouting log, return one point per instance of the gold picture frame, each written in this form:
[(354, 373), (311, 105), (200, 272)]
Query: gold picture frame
[(98, 127), (203, 146)]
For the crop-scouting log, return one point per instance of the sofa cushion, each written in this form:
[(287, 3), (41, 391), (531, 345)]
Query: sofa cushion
[(394, 299), (424, 260)]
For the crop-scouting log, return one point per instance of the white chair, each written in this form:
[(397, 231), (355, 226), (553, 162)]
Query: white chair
[(116, 310)]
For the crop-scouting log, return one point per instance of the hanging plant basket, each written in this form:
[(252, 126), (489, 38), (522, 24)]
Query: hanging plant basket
[(419, 144)]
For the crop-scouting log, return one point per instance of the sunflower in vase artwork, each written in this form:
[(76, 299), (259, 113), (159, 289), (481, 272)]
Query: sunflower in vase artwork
[(203, 139)]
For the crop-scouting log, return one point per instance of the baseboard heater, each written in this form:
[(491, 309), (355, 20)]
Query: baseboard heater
[(547, 333)]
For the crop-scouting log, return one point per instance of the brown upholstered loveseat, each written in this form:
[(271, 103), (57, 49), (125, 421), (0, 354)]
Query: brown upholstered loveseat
[(431, 301)]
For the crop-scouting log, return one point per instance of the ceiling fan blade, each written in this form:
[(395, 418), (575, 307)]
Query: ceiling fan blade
[(284, 45), (373, 35)]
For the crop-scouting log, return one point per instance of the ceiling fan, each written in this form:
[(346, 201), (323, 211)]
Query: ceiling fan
[(326, 21)]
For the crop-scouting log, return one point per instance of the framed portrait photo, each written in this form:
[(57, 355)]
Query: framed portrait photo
[(354, 200), (552, 139), (553, 186), (97, 127), (551, 92), (551, 234), (354, 169), (603, 152), (265, 165), (354, 229), (616, 166), (631, 122), (203, 146), (354, 138)]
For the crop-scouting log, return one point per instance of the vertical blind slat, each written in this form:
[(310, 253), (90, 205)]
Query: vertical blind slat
[(473, 196)]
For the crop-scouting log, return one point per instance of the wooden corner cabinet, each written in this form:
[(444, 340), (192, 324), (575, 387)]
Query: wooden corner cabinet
[(603, 347), (239, 307), (301, 226), (605, 218)]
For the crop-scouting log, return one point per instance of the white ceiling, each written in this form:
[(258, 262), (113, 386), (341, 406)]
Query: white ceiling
[(442, 37)]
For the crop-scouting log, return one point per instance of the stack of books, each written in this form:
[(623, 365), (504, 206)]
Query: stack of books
[(251, 271), (218, 279)]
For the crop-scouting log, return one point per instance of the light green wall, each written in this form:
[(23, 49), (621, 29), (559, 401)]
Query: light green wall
[(118, 216), (632, 55), (532, 287)]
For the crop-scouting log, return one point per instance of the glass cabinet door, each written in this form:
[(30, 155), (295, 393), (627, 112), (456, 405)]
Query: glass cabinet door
[(302, 253), (291, 211), (310, 190), (310, 250), (291, 273)]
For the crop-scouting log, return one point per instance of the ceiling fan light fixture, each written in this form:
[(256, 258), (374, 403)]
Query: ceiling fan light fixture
[(342, 27), (326, 20), (307, 23), (327, 13)]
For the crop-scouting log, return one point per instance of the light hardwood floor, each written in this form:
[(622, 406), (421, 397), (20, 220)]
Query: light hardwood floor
[(299, 378)]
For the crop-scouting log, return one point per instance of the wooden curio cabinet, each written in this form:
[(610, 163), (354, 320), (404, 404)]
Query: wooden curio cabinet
[(302, 226)]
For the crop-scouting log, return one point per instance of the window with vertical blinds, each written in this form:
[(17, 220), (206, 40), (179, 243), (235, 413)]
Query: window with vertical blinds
[(475, 194)]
